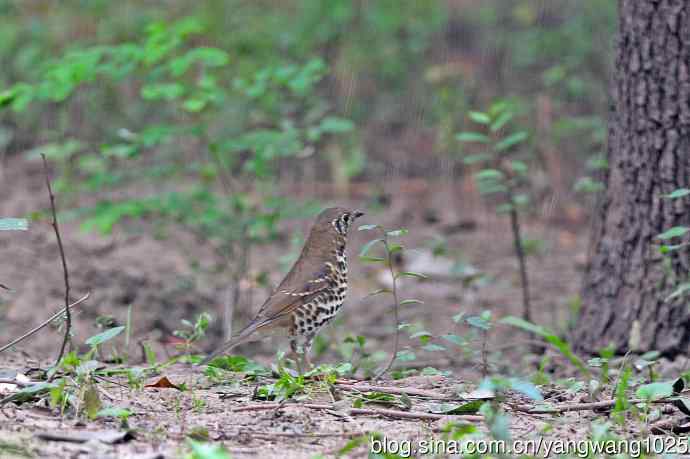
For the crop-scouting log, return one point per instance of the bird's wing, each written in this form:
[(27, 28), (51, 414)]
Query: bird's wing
[(278, 306), (283, 301)]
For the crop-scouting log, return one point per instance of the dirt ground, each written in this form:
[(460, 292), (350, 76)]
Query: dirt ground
[(157, 277)]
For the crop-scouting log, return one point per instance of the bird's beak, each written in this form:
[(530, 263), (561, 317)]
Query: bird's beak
[(357, 213)]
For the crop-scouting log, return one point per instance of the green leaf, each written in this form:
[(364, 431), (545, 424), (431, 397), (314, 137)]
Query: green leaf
[(29, 392), (421, 334), (114, 412), (378, 292), (562, 346), (92, 402), (526, 388), (366, 247), (202, 450), (105, 336), (14, 224), (398, 232), (655, 391), (194, 105), (476, 158), (504, 208), (676, 231), (164, 91), (679, 193), (479, 117), (455, 339), (452, 408), (393, 248), (666, 248), (336, 125), (478, 322), (489, 174), (367, 258), (433, 348), (472, 137), (405, 356), (411, 274), (501, 121), (588, 185), (411, 301), (519, 167), (511, 141)]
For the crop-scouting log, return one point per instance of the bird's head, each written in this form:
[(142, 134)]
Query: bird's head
[(337, 219)]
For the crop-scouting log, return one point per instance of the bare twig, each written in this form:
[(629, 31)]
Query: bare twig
[(272, 406), (44, 324), (396, 308), (520, 255), (392, 390), (5, 287), (414, 414), (56, 228), (558, 409), (17, 383), (268, 436), (364, 411)]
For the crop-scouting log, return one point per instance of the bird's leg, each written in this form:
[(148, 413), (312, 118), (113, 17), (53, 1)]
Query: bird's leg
[(309, 339), (297, 352)]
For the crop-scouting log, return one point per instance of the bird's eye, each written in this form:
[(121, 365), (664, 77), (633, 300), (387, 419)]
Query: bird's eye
[(346, 217)]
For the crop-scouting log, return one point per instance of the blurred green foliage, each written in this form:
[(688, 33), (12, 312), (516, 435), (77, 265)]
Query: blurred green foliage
[(224, 98)]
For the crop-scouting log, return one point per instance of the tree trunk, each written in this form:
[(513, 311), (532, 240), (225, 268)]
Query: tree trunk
[(649, 156)]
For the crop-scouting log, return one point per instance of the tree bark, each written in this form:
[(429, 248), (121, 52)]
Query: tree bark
[(649, 155)]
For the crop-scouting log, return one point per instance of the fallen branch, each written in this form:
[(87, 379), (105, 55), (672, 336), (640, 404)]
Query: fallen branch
[(269, 436), (44, 324), (412, 414), (564, 408), (391, 390), (65, 271), (362, 411)]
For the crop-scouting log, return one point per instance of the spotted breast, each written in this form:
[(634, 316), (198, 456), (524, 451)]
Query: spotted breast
[(310, 317)]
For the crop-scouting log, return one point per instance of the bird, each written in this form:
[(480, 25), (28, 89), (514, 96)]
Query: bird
[(310, 295)]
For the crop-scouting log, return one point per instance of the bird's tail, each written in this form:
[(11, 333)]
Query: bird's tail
[(247, 334)]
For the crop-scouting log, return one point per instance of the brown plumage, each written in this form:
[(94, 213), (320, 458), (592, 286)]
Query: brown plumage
[(312, 292)]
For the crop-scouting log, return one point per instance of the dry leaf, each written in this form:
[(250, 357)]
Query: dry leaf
[(164, 383)]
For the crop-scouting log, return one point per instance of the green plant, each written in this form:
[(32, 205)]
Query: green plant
[(285, 387), (504, 174), (670, 251), (353, 350), (237, 126), (390, 248), (550, 337), (193, 332), (202, 450)]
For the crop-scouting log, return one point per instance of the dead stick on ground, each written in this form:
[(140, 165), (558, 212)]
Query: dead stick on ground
[(363, 411), (43, 325), (56, 228), (391, 390), (557, 409), (269, 436)]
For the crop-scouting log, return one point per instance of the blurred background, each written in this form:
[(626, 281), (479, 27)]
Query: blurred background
[(191, 143)]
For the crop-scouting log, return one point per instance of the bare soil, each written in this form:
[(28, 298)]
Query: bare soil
[(173, 278)]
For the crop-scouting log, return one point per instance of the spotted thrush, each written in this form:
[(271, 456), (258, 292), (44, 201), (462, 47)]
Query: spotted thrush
[(311, 294)]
